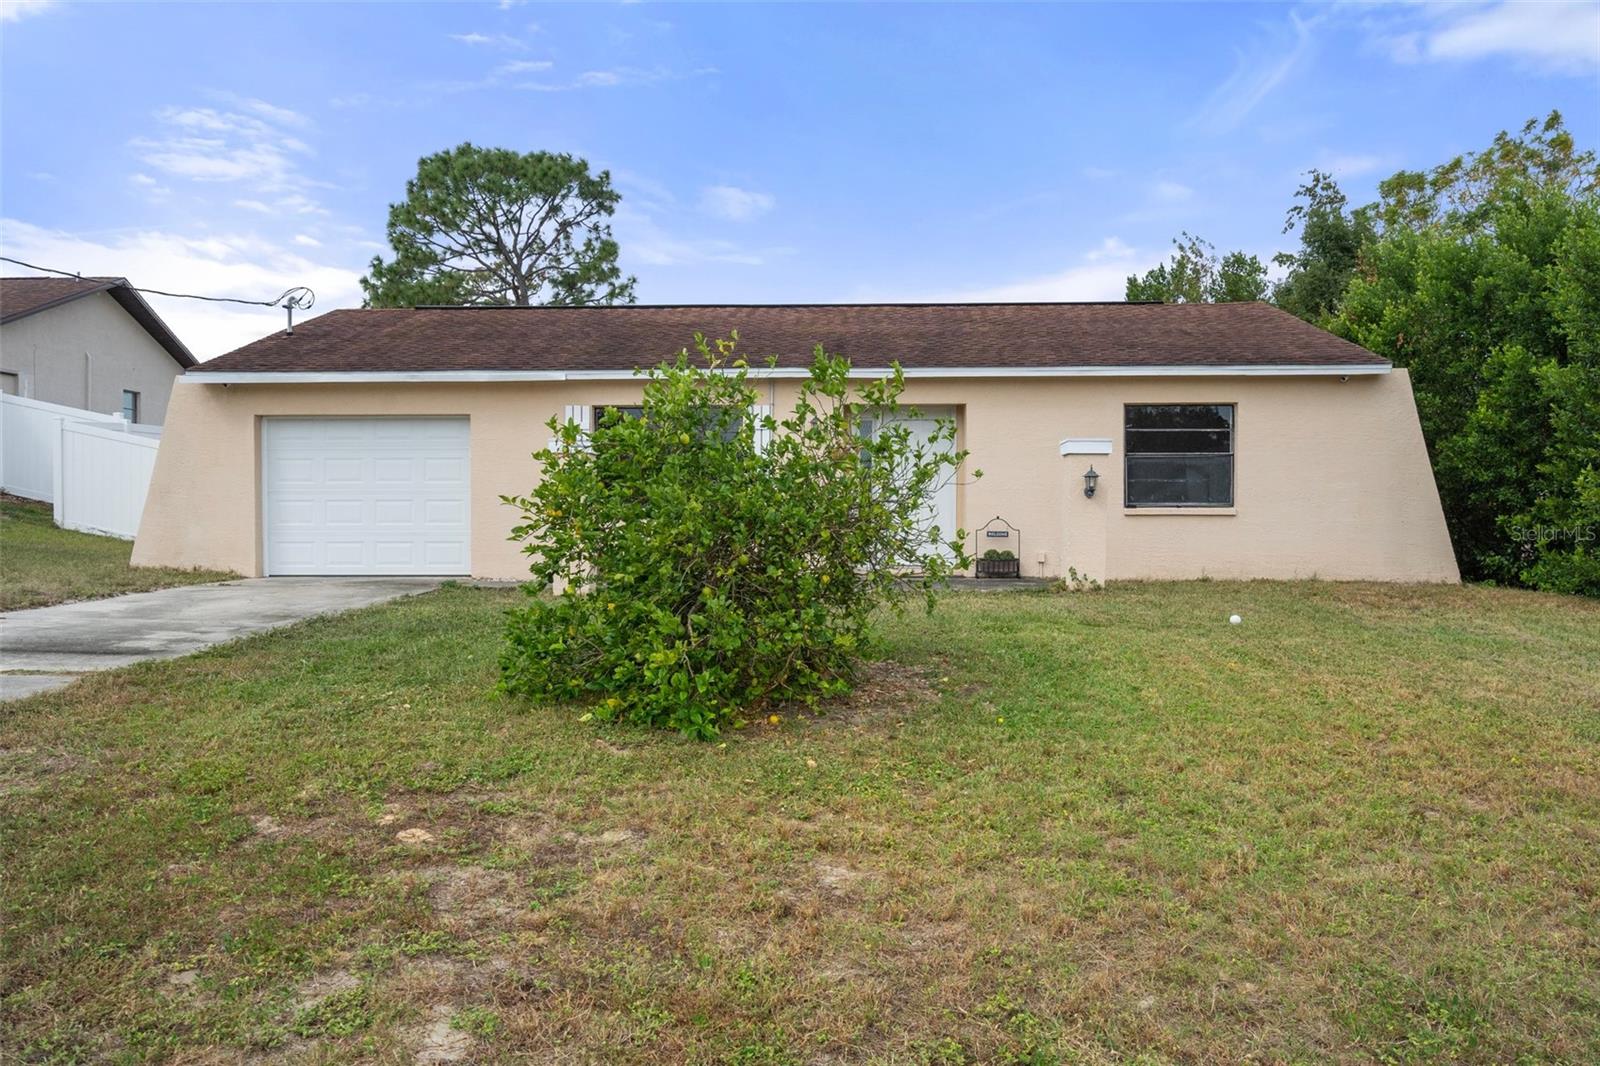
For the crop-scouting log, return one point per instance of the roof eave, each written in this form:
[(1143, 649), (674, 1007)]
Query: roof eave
[(141, 312), (314, 377)]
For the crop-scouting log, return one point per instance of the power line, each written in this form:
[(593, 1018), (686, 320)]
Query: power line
[(298, 297)]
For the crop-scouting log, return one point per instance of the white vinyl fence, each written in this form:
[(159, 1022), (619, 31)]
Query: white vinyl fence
[(94, 468)]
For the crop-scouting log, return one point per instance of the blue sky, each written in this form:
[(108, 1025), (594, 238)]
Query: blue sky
[(765, 153)]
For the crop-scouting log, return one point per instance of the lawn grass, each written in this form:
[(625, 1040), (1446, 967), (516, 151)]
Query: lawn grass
[(41, 564), (1098, 827)]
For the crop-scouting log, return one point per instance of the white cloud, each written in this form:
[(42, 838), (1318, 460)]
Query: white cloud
[(1564, 37), (237, 264), (1350, 165), (281, 116), (1100, 274), (1256, 74), (733, 203), (17, 10), (523, 66), (150, 187), (488, 40), (1171, 192), (615, 77), (207, 145), (646, 242), (306, 241), (496, 77), (1551, 37)]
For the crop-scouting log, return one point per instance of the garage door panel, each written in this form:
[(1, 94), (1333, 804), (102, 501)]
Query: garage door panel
[(345, 553), (366, 495), (344, 512), (295, 553), (301, 472), (392, 471), (444, 553), (292, 513), (444, 471), (394, 512), (344, 471), (438, 515), (400, 553), (340, 430)]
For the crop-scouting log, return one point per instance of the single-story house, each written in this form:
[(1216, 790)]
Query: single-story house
[(89, 343), (1228, 440)]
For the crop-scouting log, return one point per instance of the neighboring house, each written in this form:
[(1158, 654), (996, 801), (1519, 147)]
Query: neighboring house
[(90, 343), (1230, 440)]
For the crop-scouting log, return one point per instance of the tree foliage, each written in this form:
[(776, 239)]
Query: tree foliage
[(1492, 308), (1196, 275), (495, 226), (707, 562), (1479, 276), (1461, 194), (1331, 240)]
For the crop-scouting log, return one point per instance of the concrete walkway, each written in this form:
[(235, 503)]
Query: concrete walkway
[(56, 643)]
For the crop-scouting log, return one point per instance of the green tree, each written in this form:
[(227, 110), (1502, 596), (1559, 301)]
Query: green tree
[(1462, 193), (1331, 240), (1196, 275), (708, 562), (494, 226), (1492, 309)]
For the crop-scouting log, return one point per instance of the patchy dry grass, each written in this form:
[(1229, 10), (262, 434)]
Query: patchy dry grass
[(1364, 825), (41, 564)]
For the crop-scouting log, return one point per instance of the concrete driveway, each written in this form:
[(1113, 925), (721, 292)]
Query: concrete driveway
[(57, 643)]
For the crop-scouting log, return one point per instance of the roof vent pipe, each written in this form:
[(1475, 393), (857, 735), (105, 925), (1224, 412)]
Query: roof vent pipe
[(298, 297)]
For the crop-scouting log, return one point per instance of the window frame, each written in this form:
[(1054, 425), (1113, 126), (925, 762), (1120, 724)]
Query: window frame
[(126, 393), (1232, 454), (635, 412)]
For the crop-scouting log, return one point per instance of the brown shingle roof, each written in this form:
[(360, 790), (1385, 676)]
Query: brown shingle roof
[(20, 297), (24, 296), (930, 336)]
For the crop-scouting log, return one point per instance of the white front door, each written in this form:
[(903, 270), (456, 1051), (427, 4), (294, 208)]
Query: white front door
[(941, 506), (365, 495)]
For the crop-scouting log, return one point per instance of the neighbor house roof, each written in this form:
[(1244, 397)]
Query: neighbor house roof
[(21, 297), (926, 339)]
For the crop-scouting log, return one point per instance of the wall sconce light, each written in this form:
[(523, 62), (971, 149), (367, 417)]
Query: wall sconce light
[(1089, 479)]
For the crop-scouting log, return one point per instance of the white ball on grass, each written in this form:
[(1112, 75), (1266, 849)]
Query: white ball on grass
[(1234, 619)]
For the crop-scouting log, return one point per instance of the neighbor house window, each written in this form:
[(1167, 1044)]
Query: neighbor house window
[(1178, 455), (9, 383), (130, 405)]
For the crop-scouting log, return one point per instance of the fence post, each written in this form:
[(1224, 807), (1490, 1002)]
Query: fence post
[(58, 451)]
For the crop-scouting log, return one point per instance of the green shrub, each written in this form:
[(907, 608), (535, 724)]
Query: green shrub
[(998, 553), (704, 562)]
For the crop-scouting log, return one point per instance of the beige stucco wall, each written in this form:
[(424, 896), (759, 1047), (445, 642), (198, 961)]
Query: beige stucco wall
[(1331, 477), (84, 353)]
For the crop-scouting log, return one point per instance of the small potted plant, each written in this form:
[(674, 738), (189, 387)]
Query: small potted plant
[(999, 562)]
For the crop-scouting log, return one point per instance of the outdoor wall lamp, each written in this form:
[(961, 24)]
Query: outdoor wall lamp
[(1089, 478)]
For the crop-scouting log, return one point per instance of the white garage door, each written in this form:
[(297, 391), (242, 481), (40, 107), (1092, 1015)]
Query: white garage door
[(365, 495)]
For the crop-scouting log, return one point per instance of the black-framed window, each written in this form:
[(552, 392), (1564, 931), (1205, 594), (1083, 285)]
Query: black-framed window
[(1178, 454), (130, 405), (726, 424), (626, 412)]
